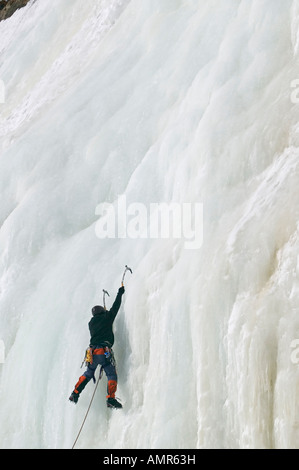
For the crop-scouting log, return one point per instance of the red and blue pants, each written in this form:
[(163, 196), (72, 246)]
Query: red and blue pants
[(99, 359)]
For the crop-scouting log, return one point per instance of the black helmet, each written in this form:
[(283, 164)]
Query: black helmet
[(97, 310)]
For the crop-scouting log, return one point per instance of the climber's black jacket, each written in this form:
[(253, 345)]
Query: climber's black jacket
[(100, 326)]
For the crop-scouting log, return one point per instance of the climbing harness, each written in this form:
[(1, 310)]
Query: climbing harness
[(109, 354), (88, 357)]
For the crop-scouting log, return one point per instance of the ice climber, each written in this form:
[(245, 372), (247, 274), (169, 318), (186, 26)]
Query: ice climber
[(100, 351)]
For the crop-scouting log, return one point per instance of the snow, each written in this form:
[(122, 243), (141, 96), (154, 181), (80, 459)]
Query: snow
[(173, 101)]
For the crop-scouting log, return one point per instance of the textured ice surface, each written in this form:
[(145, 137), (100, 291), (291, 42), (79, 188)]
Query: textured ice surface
[(160, 101)]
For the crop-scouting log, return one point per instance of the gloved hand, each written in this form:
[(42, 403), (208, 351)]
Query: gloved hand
[(121, 290)]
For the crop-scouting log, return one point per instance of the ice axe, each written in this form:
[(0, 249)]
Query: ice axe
[(126, 269), (105, 293)]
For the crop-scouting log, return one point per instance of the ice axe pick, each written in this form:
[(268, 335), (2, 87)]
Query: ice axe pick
[(105, 293), (126, 269)]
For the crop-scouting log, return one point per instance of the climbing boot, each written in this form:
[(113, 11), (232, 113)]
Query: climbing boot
[(74, 397), (113, 403)]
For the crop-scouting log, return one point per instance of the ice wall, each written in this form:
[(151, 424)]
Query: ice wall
[(160, 101)]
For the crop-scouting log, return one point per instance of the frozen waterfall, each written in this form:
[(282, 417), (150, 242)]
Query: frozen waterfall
[(184, 102)]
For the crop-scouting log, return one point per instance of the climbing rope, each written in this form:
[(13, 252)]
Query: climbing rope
[(100, 376)]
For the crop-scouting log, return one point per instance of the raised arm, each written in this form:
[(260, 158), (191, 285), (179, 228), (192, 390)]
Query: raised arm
[(116, 304)]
